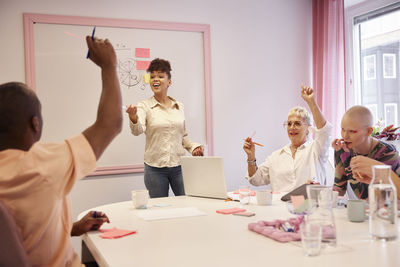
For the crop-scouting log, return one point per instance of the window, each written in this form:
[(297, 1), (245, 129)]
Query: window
[(369, 67), (372, 63), (390, 114), (389, 65), (374, 110)]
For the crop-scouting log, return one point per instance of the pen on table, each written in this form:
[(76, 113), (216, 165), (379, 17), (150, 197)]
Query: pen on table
[(94, 30)]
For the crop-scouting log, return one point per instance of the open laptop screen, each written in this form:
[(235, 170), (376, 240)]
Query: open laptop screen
[(204, 177)]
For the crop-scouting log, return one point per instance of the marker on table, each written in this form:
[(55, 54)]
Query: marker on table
[(94, 30)]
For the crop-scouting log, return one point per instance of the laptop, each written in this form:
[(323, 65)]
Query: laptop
[(204, 177)]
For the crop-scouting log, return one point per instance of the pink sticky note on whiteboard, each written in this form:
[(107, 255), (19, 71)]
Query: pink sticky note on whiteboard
[(142, 65), (142, 52), (297, 201)]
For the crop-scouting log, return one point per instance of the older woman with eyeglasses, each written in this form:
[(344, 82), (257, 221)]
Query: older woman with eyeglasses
[(300, 160)]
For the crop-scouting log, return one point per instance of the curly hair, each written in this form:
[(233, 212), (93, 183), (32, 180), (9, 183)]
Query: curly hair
[(160, 65)]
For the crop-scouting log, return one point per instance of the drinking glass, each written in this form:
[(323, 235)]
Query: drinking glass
[(311, 235), (244, 194)]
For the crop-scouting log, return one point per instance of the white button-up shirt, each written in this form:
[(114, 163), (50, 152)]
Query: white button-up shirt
[(166, 136), (285, 173)]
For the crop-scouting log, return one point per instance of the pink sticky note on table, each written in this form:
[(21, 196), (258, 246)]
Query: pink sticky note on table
[(230, 211), (115, 233), (297, 201), (142, 65), (142, 52)]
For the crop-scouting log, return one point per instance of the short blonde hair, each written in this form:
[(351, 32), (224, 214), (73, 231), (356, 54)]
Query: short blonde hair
[(302, 112)]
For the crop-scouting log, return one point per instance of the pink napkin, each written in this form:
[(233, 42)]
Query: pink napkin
[(272, 229), (230, 211), (252, 193), (115, 233)]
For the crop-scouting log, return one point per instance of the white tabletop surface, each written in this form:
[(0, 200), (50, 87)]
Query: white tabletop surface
[(224, 240)]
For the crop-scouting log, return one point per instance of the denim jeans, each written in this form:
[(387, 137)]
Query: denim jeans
[(157, 180)]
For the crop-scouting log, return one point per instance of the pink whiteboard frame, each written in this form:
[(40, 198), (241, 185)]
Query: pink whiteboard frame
[(31, 18)]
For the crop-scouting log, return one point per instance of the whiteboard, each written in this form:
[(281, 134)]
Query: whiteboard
[(69, 85)]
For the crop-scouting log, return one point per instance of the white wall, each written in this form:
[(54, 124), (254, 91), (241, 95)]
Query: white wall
[(261, 53)]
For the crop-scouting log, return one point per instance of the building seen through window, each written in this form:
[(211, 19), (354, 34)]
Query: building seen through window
[(378, 48)]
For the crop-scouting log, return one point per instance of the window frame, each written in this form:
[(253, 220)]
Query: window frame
[(353, 88)]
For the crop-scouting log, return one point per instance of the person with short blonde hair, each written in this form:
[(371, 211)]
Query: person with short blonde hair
[(300, 160)]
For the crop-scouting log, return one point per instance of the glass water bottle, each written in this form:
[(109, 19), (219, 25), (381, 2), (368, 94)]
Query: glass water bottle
[(382, 204)]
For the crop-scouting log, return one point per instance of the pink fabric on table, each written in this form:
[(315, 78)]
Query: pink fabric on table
[(272, 229), (115, 233), (252, 193)]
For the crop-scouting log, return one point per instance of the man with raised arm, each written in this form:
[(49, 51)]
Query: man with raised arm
[(36, 178)]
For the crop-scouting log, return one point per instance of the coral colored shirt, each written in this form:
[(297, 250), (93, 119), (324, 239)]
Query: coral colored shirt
[(35, 185), (166, 137)]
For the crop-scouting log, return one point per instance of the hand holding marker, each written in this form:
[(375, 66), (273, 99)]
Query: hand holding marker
[(251, 136), (88, 55), (94, 30)]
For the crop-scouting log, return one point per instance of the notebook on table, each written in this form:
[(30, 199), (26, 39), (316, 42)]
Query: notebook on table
[(204, 177)]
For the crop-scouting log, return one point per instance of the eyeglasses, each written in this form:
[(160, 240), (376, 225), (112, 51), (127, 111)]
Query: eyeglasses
[(294, 124)]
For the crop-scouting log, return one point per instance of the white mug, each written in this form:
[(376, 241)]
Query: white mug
[(264, 197), (356, 210), (140, 198)]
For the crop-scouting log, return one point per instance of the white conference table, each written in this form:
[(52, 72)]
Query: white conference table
[(224, 240)]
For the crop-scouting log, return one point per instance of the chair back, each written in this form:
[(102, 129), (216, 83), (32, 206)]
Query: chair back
[(12, 250)]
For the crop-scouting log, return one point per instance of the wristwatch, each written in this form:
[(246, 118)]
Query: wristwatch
[(252, 162)]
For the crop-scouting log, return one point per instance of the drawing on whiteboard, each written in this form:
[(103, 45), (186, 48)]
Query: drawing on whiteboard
[(128, 75)]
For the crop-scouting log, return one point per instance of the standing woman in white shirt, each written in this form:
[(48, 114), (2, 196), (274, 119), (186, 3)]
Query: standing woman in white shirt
[(300, 160), (162, 119)]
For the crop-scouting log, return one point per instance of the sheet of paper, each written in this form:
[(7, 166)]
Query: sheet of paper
[(142, 52), (142, 65), (146, 78), (115, 233), (162, 214)]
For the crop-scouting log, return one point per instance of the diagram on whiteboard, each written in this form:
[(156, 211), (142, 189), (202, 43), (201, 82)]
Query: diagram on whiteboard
[(128, 75), (132, 68)]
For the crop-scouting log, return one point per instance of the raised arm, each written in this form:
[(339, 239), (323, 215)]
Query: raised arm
[(250, 150), (307, 93), (109, 114)]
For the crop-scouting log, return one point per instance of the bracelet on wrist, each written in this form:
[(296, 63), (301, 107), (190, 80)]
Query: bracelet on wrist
[(252, 162)]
